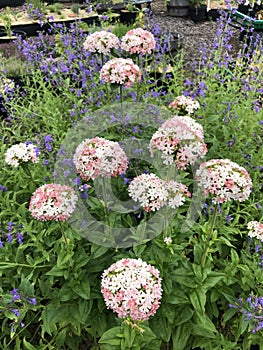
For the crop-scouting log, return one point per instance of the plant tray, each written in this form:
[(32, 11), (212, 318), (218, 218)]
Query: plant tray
[(246, 21)]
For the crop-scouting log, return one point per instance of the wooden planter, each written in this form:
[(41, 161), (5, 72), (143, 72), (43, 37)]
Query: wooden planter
[(4, 38), (178, 8)]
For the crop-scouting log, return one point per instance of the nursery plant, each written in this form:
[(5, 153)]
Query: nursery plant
[(131, 212)]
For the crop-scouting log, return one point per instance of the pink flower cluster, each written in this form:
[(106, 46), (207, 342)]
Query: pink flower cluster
[(181, 141), (185, 104), (120, 71), (22, 153), (138, 41), (53, 202), (255, 230), (98, 157), (154, 193), (132, 288), (101, 42), (224, 180)]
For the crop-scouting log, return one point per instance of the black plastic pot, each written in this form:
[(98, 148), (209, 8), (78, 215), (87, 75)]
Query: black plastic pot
[(11, 3), (198, 14), (176, 42), (128, 17), (213, 14)]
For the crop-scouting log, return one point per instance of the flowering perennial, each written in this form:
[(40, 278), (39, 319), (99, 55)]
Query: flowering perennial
[(255, 230), (22, 153), (224, 180), (153, 193), (53, 202), (132, 289), (181, 140), (138, 41), (99, 157), (121, 71), (185, 104), (177, 193), (101, 42), (149, 190)]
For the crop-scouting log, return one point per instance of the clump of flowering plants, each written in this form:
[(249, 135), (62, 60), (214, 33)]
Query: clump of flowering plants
[(184, 104), (98, 157), (224, 180), (22, 153), (120, 71), (101, 42), (138, 41), (181, 141), (53, 202), (132, 289), (50, 292)]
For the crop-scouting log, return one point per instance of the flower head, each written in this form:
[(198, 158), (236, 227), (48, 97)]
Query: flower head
[(224, 180), (22, 153), (177, 193), (101, 42), (184, 104), (53, 202), (138, 41), (132, 288), (99, 157), (121, 71), (180, 139), (149, 190), (255, 230), (154, 193)]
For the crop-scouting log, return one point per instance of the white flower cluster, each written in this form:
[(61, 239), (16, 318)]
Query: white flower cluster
[(53, 202), (101, 42), (138, 41), (22, 153), (121, 71), (224, 180), (98, 157), (185, 104), (181, 141), (132, 288), (255, 230), (154, 193)]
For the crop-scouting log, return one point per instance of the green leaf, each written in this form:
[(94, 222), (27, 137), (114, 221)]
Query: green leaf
[(198, 300), (111, 339), (63, 258), (204, 327), (212, 280), (27, 345), (55, 271), (82, 289), (161, 328), (97, 251), (229, 314), (183, 315), (181, 335), (178, 297)]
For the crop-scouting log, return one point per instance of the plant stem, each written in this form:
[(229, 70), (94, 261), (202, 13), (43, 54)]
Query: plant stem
[(121, 99), (209, 235), (66, 242), (105, 205)]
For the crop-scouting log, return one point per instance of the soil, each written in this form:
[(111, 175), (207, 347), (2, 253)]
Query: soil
[(196, 35)]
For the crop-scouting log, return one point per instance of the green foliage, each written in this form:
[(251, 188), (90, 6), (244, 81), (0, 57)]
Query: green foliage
[(208, 264)]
